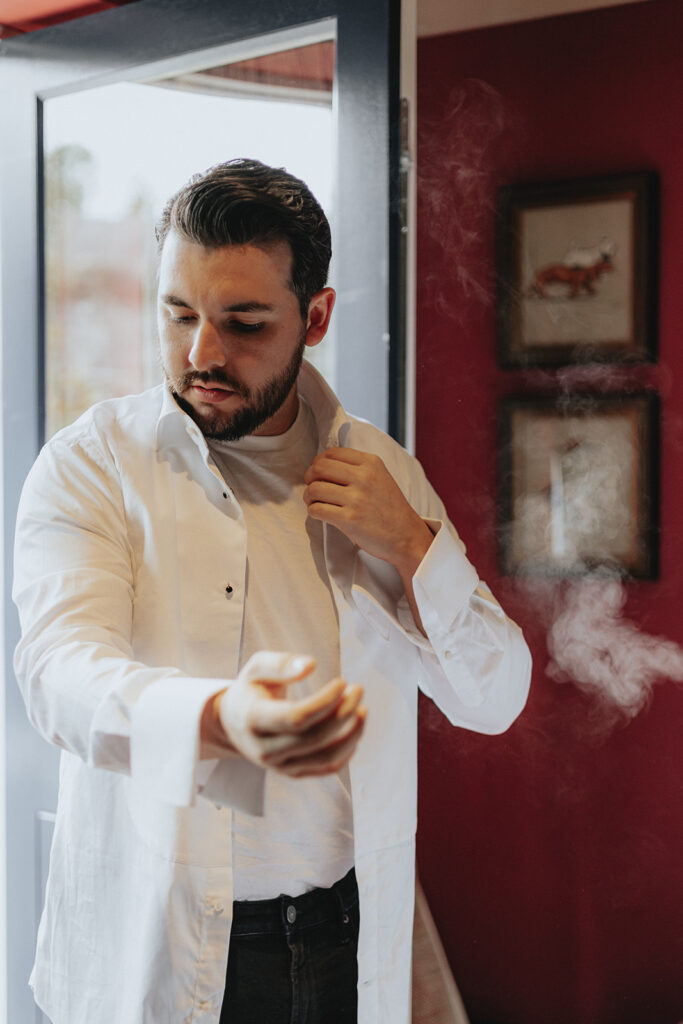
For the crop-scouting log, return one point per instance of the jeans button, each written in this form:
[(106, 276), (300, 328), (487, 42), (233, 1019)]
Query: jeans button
[(291, 914)]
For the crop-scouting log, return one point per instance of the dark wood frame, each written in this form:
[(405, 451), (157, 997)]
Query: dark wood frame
[(512, 201), (645, 561)]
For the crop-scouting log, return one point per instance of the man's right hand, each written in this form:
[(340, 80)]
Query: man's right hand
[(311, 735)]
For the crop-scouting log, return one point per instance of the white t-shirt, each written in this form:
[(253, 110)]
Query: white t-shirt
[(305, 838)]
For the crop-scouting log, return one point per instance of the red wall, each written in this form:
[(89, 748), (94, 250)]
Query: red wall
[(552, 856)]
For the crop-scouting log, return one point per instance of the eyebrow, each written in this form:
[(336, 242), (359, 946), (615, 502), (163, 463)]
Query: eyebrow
[(249, 307), (237, 307)]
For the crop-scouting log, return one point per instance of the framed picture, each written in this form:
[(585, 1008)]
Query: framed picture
[(576, 265), (578, 485)]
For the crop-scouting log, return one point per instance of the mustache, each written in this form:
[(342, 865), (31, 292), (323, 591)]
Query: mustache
[(217, 377)]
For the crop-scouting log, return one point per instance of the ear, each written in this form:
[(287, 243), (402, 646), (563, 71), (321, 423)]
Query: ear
[(319, 312)]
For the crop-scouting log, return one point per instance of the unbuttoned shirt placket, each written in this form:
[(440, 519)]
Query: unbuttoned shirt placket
[(228, 579), (216, 908), (218, 562), (213, 954)]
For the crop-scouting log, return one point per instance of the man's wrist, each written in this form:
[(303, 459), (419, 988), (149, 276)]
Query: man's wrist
[(213, 740), (416, 547)]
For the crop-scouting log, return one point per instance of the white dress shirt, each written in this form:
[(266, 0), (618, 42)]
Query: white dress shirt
[(129, 580), (304, 839)]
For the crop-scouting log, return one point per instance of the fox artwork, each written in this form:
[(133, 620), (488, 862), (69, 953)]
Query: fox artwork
[(579, 270)]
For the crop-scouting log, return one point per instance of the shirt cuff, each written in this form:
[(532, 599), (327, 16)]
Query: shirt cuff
[(165, 736), (237, 783), (444, 581), (443, 584)]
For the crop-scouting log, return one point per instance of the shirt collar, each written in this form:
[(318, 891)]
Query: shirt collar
[(174, 426), (332, 421)]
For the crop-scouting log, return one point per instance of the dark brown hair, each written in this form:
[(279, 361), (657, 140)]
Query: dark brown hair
[(243, 201)]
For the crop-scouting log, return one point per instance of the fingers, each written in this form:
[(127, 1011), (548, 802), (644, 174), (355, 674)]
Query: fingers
[(270, 717), (350, 455), (325, 492), (277, 667), (335, 727), (308, 735), (323, 468), (341, 465), (329, 759)]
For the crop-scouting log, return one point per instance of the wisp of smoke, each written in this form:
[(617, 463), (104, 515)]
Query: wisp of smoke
[(591, 644), (597, 378), (573, 515), (457, 190)]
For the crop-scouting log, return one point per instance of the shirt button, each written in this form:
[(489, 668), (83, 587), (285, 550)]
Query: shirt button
[(228, 589), (218, 907), (205, 1005), (449, 654), (291, 914)]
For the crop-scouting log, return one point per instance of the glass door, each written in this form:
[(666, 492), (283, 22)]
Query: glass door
[(107, 115)]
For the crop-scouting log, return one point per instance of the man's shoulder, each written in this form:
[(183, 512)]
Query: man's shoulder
[(111, 435), (131, 417)]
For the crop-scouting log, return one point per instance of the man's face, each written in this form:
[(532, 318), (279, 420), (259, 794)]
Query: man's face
[(231, 335)]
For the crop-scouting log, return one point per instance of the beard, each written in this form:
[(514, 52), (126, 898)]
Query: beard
[(259, 405)]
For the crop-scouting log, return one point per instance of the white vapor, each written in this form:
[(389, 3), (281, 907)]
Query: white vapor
[(591, 644), (456, 172)]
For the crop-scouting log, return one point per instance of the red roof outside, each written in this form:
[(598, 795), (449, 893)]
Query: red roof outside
[(18, 16)]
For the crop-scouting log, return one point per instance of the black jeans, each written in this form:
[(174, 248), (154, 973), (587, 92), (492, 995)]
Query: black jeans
[(293, 960)]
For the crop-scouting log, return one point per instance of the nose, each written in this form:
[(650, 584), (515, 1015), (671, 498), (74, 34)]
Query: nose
[(207, 349)]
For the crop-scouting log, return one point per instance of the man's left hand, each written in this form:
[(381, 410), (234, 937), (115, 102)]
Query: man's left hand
[(355, 492)]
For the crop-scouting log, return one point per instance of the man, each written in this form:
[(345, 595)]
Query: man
[(169, 547)]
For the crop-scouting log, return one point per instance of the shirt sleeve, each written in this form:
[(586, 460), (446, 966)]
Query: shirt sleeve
[(476, 664), (84, 689)]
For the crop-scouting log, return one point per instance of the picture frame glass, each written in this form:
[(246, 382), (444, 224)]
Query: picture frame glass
[(577, 270), (559, 247), (578, 486)]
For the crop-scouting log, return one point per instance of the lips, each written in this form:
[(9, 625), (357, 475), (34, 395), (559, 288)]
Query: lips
[(212, 395)]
